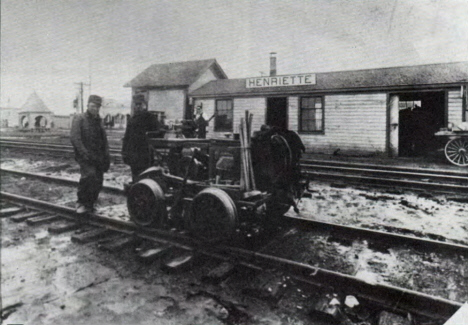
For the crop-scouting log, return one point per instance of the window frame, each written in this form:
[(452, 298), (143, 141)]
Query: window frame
[(215, 127), (300, 111)]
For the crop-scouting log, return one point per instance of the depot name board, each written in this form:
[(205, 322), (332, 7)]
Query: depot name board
[(281, 81)]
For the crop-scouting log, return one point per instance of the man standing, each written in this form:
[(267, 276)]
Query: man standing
[(91, 152), (201, 127), (136, 152)]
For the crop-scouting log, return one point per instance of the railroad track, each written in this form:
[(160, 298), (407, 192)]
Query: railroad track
[(307, 277), (52, 149), (385, 237), (257, 258), (441, 181), (386, 176)]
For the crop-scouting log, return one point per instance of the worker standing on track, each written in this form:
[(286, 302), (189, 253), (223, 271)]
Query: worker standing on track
[(136, 152), (89, 141)]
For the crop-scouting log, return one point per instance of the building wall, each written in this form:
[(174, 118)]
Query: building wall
[(171, 102), (354, 123), (255, 105), (9, 117), (455, 106), (62, 121), (346, 118), (31, 118), (206, 77)]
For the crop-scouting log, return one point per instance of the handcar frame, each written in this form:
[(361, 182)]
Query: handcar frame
[(200, 187)]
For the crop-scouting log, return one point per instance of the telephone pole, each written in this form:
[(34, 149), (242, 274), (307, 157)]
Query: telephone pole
[(81, 84)]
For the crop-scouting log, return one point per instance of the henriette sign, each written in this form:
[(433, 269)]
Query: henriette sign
[(277, 81)]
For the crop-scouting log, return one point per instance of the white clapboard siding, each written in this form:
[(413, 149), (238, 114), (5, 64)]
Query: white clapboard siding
[(455, 103), (293, 113), (171, 102), (256, 106), (353, 123)]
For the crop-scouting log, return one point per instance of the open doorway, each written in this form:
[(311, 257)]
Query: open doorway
[(277, 112), (421, 114)]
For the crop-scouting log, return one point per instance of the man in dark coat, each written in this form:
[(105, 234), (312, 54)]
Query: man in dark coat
[(91, 152), (136, 152), (201, 127)]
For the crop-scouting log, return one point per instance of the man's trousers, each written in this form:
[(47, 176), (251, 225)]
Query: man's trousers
[(90, 184)]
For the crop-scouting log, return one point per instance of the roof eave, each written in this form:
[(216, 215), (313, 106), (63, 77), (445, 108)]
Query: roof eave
[(329, 91)]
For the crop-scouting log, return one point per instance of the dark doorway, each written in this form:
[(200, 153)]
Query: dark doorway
[(277, 112), (421, 114)]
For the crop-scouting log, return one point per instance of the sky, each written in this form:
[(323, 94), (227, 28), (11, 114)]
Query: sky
[(48, 46)]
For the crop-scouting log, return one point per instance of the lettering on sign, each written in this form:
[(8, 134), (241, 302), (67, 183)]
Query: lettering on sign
[(281, 81)]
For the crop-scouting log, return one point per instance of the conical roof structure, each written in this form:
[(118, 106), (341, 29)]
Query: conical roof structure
[(34, 104)]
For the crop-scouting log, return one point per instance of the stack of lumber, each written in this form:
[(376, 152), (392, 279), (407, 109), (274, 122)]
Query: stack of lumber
[(247, 173)]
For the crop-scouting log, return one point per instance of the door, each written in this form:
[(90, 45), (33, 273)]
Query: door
[(277, 112)]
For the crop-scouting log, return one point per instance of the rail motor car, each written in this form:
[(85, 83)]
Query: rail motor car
[(203, 184)]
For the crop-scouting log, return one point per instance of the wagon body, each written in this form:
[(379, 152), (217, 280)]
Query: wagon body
[(456, 147)]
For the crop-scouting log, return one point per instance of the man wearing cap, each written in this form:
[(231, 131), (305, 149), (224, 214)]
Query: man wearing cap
[(91, 152), (136, 151)]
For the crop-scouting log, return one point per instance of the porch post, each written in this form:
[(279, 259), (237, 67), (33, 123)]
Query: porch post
[(393, 110)]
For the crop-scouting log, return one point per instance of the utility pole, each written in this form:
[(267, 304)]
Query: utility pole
[(81, 84)]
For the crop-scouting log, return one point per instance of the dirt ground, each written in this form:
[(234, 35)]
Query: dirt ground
[(58, 282), (50, 280)]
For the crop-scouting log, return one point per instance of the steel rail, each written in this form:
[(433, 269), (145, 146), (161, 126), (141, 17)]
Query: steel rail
[(389, 182), (64, 149), (19, 144), (379, 236), (307, 224), (384, 171), (59, 180), (305, 162), (395, 298)]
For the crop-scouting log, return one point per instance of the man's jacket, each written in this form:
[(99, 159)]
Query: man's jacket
[(90, 141), (135, 149)]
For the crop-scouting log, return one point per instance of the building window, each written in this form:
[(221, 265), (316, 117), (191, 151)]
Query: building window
[(311, 114), (224, 115)]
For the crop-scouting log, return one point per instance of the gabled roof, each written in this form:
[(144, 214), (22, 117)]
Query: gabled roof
[(175, 74), (383, 78), (34, 105)]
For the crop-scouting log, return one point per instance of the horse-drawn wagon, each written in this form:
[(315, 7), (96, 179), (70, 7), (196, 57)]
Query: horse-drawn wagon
[(456, 147)]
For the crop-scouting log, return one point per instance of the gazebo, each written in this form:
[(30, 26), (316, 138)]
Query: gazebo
[(34, 114)]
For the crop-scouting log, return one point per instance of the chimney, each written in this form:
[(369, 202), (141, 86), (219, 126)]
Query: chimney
[(272, 63)]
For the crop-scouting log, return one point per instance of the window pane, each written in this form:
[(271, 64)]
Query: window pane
[(224, 115), (311, 114), (318, 114)]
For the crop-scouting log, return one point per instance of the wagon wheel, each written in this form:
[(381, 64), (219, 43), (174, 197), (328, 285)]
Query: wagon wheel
[(213, 215), (456, 151), (146, 203)]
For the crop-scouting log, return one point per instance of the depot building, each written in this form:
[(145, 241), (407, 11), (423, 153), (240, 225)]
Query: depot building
[(388, 111)]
